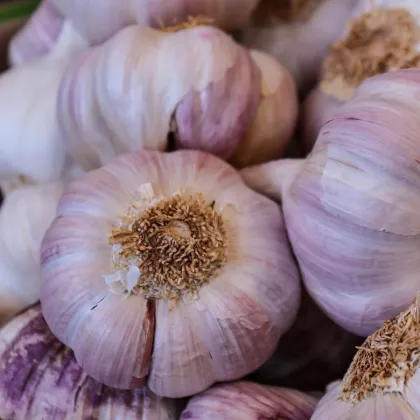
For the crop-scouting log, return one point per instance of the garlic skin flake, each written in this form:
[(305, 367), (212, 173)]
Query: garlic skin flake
[(40, 379), (239, 291), (383, 381), (381, 36), (31, 145), (25, 215), (217, 97), (98, 24), (249, 401), (351, 208)]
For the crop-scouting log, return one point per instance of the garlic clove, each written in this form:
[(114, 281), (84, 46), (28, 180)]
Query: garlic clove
[(274, 124), (243, 289), (40, 378), (100, 23), (38, 36), (247, 400), (198, 120)]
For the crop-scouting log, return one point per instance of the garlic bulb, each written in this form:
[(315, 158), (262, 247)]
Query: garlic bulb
[(30, 143), (248, 400), (98, 23), (39, 35), (312, 353), (382, 36), (40, 379), (383, 381), (25, 215), (299, 42), (166, 268), (351, 207), (218, 97)]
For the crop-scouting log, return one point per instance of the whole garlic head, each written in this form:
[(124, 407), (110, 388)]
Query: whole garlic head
[(247, 400), (383, 382), (166, 268), (30, 144), (25, 215), (142, 85), (351, 207), (40, 379)]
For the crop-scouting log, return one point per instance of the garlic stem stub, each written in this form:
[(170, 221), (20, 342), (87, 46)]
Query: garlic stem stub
[(298, 34), (197, 84), (383, 381), (248, 400), (40, 379), (351, 211), (165, 268), (98, 24), (382, 36)]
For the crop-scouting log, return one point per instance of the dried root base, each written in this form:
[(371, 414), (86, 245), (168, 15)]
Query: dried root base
[(386, 360), (191, 22), (378, 41)]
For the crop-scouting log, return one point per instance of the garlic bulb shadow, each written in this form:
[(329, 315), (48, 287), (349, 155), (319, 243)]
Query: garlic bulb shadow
[(40, 379)]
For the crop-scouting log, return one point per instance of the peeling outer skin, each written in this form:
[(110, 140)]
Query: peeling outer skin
[(301, 47), (378, 407), (317, 109), (352, 212), (40, 379), (100, 23), (217, 119), (38, 36), (274, 124), (179, 73), (249, 401)]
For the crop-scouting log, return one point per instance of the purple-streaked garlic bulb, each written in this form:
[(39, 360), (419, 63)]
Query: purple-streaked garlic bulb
[(38, 36), (25, 215), (165, 268), (249, 401), (351, 207), (30, 144), (382, 36), (195, 85), (298, 33), (312, 353), (41, 380), (383, 381)]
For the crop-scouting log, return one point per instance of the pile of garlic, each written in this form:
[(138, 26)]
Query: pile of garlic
[(163, 256)]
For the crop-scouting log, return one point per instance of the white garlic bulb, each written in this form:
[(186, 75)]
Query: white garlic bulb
[(25, 215), (166, 268), (383, 382), (381, 36), (99, 22), (247, 400), (218, 97), (351, 207), (40, 379), (30, 143), (300, 45)]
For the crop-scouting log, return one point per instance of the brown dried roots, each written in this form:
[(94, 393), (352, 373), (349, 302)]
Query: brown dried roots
[(275, 11), (191, 22), (180, 244), (378, 41), (386, 360)]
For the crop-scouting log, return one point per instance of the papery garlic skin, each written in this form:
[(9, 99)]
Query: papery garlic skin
[(31, 144), (351, 213), (301, 46), (38, 36), (40, 379), (213, 98), (25, 216), (269, 136), (248, 401), (99, 23), (227, 330)]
